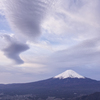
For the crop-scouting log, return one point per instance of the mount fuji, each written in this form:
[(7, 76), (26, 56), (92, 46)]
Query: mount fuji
[(68, 84), (69, 74)]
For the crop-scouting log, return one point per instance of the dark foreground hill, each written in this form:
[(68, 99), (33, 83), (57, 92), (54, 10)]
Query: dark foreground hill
[(94, 96)]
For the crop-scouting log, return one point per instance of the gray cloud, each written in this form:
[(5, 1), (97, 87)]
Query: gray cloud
[(86, 53), (13, 51), (25, 17), (14, 48), (17, 74)]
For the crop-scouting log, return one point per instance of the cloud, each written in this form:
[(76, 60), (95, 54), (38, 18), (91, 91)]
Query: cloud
[(23, 73), (25, 17), (77, 24), (69, 32), (74, 20), (14, 48), (1, 9), (85, 54)]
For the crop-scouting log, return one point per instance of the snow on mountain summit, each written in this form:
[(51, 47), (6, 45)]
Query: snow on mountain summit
[(69, 74)]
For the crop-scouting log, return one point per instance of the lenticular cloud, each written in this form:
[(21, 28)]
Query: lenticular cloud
[(14, 48)]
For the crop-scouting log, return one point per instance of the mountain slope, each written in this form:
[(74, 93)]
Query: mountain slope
[(54, 87)]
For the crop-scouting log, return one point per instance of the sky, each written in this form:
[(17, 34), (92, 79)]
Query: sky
[(42, 38)]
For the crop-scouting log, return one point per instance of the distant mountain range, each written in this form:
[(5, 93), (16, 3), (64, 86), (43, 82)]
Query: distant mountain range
[(68, 84)]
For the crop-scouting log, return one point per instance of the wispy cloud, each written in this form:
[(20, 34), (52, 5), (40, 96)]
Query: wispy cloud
[(85, 53), (25, 17)]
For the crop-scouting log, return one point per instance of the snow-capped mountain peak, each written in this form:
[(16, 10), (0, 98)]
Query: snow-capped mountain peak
[(69, 74)]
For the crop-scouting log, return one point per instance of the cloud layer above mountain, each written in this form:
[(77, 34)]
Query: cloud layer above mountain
[(49, 35)]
